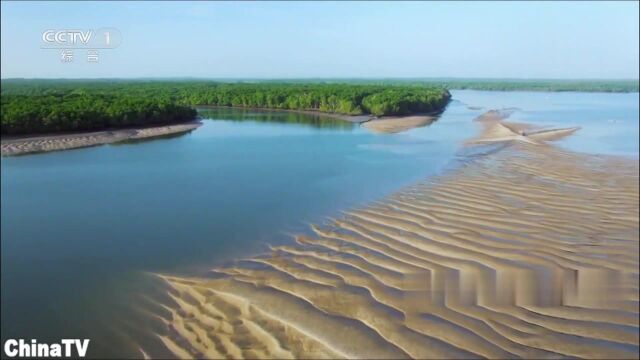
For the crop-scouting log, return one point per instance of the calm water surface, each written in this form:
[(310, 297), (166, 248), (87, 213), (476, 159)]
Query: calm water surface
[(81, 228), (609, 122)]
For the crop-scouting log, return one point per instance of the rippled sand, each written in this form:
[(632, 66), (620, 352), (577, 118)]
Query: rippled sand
[(526, 251)]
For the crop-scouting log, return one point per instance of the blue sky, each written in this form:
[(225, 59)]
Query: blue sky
[(328, 39)]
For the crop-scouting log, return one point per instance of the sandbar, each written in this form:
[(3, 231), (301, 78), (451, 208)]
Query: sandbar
[(396, 124), (530, 251), (54, 142)]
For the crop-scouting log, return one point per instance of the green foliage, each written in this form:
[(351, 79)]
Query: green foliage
[(30, 106), (25, 114)]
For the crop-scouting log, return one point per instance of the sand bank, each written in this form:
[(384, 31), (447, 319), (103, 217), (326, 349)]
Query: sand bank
[(26, 145), (396, 124), (496, 129), (529, 251)]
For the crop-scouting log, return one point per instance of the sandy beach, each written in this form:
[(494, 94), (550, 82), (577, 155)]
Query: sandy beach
[(526, 251), (55, 142), (396, 124)]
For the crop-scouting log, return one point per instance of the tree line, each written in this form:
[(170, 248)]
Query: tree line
[(24, 114), (31, 106), (618, 86), (551, 85)]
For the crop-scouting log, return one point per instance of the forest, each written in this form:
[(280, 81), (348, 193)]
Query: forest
[(30, 114), (39, 106)]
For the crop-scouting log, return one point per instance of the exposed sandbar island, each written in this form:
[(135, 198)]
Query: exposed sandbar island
[(396, 124)]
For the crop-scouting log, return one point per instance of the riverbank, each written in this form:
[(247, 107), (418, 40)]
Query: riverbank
[(380, 125), (20, 145), (527, 251), (337, 116), (11, 146)]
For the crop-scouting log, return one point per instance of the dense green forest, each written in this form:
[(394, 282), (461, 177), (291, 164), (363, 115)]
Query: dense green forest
[(30, 106), (27, 114)]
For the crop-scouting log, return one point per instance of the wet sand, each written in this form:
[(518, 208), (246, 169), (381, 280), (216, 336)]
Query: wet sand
[(496, 129), (391, 125), (55, 142), (527, 250)]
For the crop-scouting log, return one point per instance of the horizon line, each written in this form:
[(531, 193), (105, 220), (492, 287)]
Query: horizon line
[(320, 78)]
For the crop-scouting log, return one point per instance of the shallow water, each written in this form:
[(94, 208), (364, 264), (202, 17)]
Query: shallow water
[(609, 122), (438, 249), (79, 226)]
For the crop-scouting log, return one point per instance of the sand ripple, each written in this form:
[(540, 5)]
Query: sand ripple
[(530, 251)]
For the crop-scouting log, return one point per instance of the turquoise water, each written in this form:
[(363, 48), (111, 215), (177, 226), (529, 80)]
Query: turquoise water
[(80, 228)]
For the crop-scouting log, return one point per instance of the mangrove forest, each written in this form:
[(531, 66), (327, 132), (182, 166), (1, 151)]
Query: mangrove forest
[(45, 106)]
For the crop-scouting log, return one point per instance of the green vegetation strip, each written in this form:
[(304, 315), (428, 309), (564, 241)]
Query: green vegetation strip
[(553, 85), (45, 106)]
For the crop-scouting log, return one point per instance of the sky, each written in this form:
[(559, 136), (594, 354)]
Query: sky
[(564, 40)]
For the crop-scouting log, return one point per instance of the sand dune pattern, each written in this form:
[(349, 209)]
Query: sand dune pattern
[(526, 252)]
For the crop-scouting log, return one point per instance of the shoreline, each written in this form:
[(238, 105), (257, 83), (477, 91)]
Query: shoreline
[(30, 144), (358, 119), (350, 118), (40, 143)]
